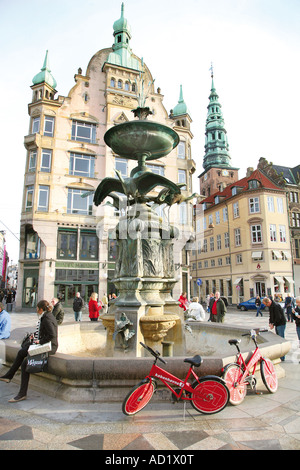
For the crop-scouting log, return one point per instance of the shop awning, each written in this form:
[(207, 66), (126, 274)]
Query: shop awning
[(287, 254), (277, 254), (290, 280), (256, 254), (237, 280), (279, 278)]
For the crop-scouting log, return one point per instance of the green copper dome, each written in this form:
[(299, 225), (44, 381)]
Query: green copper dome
[(122, 25), (45, 76), (181, 107)]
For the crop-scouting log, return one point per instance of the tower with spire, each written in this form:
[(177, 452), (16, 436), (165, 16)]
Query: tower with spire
[(44, 83), (218, 172)]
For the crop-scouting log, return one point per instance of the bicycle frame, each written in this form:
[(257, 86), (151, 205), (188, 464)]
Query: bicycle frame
[(165, 377), (253, 361)]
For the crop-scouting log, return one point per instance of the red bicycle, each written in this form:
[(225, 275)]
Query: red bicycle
[(208, 394), (239, 375)]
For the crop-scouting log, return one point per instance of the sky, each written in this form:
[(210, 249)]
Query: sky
[(254, 46)]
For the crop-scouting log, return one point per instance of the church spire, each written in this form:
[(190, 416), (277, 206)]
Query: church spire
[(216, 144), (45, 76)]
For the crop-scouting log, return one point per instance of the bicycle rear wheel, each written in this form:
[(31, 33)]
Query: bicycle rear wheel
[(138, 397), (268, 375), (237, 390), (210, 395)]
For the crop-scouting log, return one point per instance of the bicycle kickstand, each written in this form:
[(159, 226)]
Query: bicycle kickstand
[(185, 410)]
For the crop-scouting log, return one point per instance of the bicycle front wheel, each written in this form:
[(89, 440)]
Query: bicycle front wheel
[(138, 397), (232, 376), (268, 375), (210, 395)]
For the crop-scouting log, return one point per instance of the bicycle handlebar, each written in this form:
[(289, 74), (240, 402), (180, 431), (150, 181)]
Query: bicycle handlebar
[(255, 332), (156, 354)]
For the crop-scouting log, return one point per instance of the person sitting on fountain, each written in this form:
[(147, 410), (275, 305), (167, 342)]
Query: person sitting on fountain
[(183, 301), (195, 312)]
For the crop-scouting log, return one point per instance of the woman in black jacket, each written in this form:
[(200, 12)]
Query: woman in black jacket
[(46, 331)]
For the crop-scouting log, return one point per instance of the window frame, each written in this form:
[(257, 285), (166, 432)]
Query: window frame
[(72, 193), (46, 189), (85, 125), (77, 158)]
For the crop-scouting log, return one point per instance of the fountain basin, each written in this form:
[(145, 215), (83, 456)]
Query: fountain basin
[(133, 139), (82, 378)]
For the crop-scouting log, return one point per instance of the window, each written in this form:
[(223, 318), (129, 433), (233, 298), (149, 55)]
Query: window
[(253, 184), (228, 261), (183, 213), (256, 235), (220, 261), (206, 264), (82, 165), (112, 82), (157, 169), (67, 244), (204, 246), (239, 259), (127, 86), (294, 197), (237, 237), (120, 84), (297, 247), (88, 246), (204, 223), (295, 219), (121, 164), (211, 244), (217, 217), (272, 229), (83, 131), (46, 160), (29, 198), (282, 233), (226, 239), (270, 204), (43, 199), (49, 126), (236, 212), (210, 219), (181, 150), (219, 244), (182, 177), (199, 248), (32, 244), (212, 263), (280, 205), (78, 204), (253, 204), (32, 161), (36, 125), (225, 214)]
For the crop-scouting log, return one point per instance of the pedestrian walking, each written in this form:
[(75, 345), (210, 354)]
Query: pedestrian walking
[(94, 307), (58, 310), (218, 309), (5, 323), (78, 305), (289, 305), (258, 306)]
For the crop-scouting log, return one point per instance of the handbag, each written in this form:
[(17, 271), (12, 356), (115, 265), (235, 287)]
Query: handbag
[(26, 341), (36, 363), (35, 349)]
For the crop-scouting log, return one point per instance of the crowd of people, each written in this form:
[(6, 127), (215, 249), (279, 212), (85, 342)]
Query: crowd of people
[(50, 315)]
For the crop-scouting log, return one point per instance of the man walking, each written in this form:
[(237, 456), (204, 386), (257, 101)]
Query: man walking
[(258, 306), (218, 309), (5, 323), (78, 305)]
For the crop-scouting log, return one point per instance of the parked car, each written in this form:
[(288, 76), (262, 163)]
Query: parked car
[(250, 304)]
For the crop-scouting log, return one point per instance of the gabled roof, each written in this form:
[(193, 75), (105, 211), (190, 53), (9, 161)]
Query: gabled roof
[(244, 184)]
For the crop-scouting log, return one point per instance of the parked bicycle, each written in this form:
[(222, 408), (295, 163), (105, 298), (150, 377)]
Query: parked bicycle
[(239, 375), (208, 394)]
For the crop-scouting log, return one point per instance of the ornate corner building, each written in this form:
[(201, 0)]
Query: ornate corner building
[(62, 248)]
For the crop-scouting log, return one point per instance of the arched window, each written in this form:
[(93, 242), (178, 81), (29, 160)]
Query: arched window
[(126, 86), (120, 84), (112, 82)]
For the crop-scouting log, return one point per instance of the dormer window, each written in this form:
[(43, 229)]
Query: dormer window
[(253, 184), (234, 191)]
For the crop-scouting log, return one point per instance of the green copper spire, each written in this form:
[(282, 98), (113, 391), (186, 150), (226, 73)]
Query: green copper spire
[(45, 76), (122, 54), (216, 144), (181, 107)]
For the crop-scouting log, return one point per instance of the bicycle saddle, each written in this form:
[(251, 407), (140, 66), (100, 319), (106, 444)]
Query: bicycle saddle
[(194, 361), (234, 341)]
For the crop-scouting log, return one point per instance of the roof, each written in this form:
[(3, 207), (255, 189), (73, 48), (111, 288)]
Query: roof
[(244, 184), (290, 175), (45, 76)]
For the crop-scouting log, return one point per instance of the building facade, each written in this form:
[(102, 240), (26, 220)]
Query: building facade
[(242, 246), (289, 180), (62, 248)]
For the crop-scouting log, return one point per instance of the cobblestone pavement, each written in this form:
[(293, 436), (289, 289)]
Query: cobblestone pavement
[(261, 422)]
